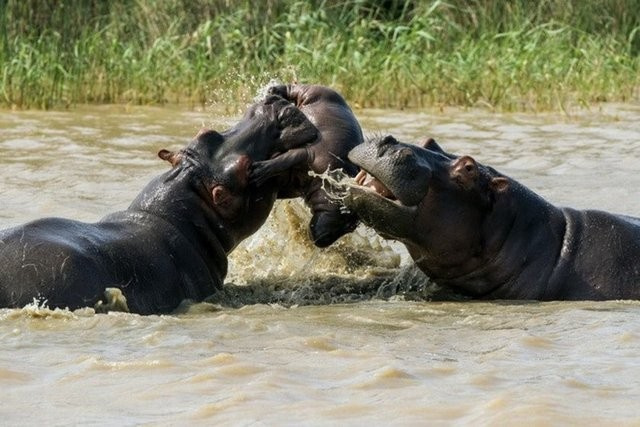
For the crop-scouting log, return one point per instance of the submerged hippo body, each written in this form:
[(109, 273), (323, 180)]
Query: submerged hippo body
[(171, 243), (339, 132), (485, 235)]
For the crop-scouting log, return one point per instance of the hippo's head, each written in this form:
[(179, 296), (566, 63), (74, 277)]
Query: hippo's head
[(291, 126), (224, 177), (424, 197), (219, 162)]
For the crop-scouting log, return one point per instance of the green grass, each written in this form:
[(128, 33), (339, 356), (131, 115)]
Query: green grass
[(506, 55)]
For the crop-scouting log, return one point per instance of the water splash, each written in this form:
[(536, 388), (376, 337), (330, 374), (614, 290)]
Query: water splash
[(336, 183), (39, 309), (114, 300), (406, 283), (233, 92), (282, 247), (263, 90), (280, 265)]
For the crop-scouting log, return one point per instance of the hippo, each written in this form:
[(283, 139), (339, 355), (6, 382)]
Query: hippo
[(339, 132), (172, 242), (486, 236)]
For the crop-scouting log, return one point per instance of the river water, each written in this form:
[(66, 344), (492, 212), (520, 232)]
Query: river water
[(303, 336)]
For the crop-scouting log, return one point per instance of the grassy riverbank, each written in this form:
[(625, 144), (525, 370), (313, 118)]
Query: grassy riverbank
[(509, 55)]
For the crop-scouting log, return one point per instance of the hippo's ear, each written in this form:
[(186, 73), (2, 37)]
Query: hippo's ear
[(465, 172), (220, 195), (223, 201), (430, 144), (499, 184), (170, 156), (279, 90)]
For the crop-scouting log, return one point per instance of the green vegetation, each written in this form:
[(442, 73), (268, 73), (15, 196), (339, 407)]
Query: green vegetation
[(504, 54)]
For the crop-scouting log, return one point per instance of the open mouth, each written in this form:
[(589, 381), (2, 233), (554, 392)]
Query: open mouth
[(367, 180)]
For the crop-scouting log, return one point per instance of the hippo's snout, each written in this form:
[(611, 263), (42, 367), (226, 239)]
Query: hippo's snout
[(397, 170)]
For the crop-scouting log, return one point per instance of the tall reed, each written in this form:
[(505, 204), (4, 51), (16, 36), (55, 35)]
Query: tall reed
[(509, 55)]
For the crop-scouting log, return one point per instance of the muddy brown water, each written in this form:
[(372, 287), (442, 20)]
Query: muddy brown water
[(303, 336)]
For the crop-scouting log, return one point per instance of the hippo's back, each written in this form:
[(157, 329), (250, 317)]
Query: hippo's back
[(45, 260), (600, 257), (631, 220), (69, 264), (339, 133)]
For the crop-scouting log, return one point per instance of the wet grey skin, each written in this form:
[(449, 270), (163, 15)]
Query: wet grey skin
[(484, 235), (172, 243)]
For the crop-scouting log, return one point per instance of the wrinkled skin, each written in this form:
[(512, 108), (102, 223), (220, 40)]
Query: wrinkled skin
[(472, 229), (172, 242), (339, 132)]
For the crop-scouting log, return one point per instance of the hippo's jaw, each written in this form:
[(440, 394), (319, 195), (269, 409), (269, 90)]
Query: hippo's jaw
[(394, 182), (365, 179), (390, 218)]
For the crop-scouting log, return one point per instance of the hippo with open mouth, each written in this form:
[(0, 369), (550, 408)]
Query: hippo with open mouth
[(480, 233), (171, 244)]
